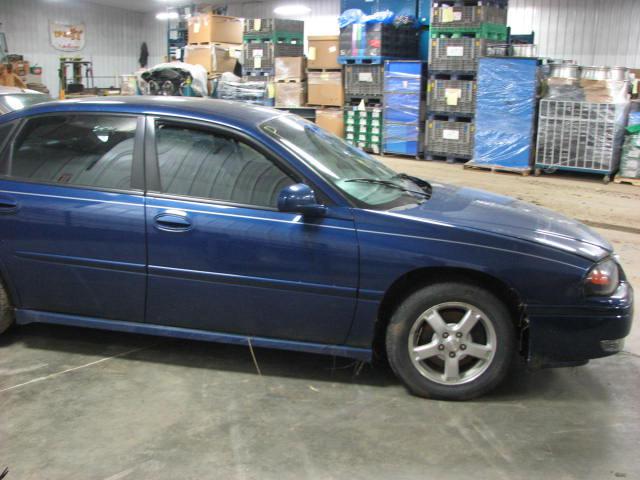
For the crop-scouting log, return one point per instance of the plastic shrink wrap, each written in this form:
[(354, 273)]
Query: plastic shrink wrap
[(581, 125), (403, 107), (630, 162), (505, 112)]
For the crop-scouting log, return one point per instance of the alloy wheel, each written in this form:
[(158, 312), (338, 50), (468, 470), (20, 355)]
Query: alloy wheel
[(452, 343)]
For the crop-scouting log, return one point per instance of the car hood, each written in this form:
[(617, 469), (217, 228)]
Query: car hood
[(480, 210)]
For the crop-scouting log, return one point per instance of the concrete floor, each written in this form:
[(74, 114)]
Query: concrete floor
[(81, 404)]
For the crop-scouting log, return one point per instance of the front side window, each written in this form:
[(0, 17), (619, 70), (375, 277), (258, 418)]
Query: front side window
[(363, 179), (82, 150), (199, 163)]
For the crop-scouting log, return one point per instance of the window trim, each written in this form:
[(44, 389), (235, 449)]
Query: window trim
[(137, 188), (153, 168)]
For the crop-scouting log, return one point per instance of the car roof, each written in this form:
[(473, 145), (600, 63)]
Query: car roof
[(14, 90), (237, 114)]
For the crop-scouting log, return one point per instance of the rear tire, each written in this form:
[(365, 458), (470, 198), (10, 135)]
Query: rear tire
[(6, 310), (451, 341)]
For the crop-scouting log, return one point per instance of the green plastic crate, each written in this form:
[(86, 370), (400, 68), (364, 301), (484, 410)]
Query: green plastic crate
[(489, 31)]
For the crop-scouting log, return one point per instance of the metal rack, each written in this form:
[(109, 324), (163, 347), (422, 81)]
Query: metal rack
[(580, 136)]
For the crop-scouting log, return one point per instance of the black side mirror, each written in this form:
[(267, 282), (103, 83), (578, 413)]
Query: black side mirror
[(300, 198)]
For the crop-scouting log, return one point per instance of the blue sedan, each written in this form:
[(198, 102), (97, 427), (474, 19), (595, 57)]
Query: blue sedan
[(221, 221)]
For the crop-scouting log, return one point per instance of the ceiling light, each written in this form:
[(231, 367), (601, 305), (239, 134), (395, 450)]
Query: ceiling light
[(293, 10), (167, 16)]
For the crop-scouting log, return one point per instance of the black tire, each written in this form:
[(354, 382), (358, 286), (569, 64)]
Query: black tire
[(490, 372), (6, 310)]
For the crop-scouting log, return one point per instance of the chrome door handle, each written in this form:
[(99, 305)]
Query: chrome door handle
[(173, 221)]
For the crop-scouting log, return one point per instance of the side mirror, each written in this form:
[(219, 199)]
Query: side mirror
[(299, 198)]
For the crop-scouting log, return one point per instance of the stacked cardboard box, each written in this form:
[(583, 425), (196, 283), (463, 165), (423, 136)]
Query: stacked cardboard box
[(215, 42), (290, 78), (324, 72)]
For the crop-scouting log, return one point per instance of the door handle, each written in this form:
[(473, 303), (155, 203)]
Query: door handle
[(174, 221), (8, 204)]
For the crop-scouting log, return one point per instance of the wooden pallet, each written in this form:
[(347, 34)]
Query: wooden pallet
[(322, 70), (291, 80), (525, 172), (627, 180), (316, 105), (448, 158)]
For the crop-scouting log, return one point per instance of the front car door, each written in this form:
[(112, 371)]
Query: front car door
[(222, 257), (72, 233)]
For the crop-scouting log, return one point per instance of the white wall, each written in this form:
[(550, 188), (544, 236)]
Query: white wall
[(591, 32), (113, 36), (322, 20)]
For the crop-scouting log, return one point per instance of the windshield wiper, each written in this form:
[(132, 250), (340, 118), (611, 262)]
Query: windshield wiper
[(390, 184), (423, 184)]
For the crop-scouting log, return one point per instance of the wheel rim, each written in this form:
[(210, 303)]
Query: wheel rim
[(452, 343)]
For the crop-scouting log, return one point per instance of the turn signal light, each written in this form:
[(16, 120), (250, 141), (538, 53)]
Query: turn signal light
[(603, 279)]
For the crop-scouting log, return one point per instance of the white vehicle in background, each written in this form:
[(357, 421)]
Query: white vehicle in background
[(14, 98)]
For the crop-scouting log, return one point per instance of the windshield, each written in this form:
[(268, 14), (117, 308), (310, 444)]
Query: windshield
[(363, 179), (18, 101)]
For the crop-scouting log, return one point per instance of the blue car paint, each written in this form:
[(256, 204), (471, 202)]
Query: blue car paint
[(309, 281)]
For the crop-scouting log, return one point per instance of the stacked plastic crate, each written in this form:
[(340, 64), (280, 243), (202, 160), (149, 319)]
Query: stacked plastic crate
[(403, 107), (364, 47), (363, 128), (461, 32), (265, 39)]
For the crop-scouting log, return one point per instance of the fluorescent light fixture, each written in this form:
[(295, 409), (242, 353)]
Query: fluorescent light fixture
[(167, 16), (293, 10)]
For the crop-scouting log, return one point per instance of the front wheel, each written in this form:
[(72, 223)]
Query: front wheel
[(451, 341)]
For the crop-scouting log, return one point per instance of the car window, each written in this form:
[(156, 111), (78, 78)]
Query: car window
[(203, 164), (5, 130), (365, 180), (85, 150), (18, 101)]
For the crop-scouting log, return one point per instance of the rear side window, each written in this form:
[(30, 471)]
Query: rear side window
[(199, 163), (84, 150)]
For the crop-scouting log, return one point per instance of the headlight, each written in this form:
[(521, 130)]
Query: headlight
[(603, 279)]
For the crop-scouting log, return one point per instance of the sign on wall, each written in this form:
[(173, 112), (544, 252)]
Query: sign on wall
[(68, 38)]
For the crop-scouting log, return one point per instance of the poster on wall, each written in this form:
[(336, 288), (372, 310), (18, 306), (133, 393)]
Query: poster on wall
[(67, 38)]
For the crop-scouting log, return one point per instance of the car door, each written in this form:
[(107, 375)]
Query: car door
[(72, 231), (223, 258)]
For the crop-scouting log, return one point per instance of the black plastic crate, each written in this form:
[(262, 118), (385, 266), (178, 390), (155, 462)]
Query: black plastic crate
[(267, 52), (379, 40), (451, 96), (363, 80), (272, 25)]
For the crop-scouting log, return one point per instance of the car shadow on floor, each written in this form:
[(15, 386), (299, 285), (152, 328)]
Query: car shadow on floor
[(562, 384)]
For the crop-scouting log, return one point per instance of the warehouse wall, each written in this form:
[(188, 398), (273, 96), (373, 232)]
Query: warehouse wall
[(113, 36), (591, 32), (323, 19)]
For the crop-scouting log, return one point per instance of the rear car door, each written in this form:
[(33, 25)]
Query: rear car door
[(72, 231), (223, 258)]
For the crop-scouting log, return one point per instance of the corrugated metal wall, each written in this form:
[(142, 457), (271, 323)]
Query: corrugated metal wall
[(113, 36), (591, 32), (323, 19)]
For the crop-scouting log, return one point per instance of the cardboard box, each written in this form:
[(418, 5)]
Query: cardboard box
[(604, 91), (290, 68), (325, 88), (323, 52), (291, 94), (216, 58), (331, 120), (207, 28)]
